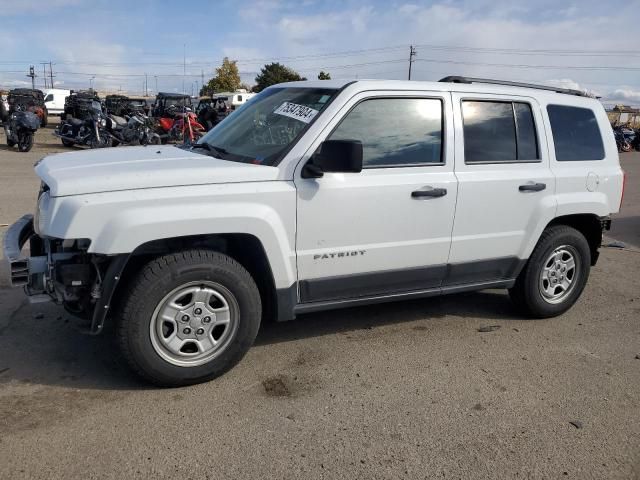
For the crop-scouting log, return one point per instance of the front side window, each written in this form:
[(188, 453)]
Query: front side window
[(395, 131), (498, 132), (576, 134), (49, 97)]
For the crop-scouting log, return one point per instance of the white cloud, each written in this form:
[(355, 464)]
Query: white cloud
[(623, 95)]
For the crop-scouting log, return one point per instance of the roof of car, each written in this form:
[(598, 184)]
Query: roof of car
[(173, 95), (470, 85), (25, 91)]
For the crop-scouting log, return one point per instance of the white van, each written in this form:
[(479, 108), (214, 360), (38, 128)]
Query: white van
[(54, 100), (235, 99)]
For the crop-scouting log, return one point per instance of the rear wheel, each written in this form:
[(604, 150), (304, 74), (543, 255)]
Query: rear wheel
[(189, 317), (555, 274), (25, 141)]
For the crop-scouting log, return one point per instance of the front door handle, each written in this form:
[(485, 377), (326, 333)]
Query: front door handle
[(429, 192), (532, 187)]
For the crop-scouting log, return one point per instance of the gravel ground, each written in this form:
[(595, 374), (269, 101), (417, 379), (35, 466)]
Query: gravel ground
[(407, 390)]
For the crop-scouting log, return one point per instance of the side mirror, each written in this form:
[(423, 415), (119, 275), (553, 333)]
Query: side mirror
[(337, 156)]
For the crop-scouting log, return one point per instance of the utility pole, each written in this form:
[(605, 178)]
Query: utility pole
[(51, 73), (146, 86), (156, 77), (44, 73), (184, 64), (32, 74), (412, 53)]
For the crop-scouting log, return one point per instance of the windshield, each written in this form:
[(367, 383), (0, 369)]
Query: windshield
[(262, 130), (177, 101)]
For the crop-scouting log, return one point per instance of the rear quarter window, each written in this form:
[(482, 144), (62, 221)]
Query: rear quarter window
[(576, 134)]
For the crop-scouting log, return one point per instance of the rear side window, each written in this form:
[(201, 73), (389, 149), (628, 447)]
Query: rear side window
[(395, 132), (576, 134), (499, 132)]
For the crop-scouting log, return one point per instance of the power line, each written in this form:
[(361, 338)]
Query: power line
[(552, 67)]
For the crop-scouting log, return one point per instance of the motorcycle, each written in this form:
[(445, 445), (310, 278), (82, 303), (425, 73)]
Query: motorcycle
[(179, 126), (91, 131), (622, 142), (20, 129), (134, 130)]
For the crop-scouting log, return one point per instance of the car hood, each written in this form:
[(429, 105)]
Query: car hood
[(131, 168)]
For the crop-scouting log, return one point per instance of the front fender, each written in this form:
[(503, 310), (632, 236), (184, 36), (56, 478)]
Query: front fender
[(119, 222)]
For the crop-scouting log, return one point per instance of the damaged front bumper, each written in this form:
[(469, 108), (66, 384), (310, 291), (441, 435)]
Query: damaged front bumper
[(26, 271), (61, 271), (14, 240)]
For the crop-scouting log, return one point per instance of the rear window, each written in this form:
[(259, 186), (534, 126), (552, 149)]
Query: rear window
[(576, 134), (497, 132)]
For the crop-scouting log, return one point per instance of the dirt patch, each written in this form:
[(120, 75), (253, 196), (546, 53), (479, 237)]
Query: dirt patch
[(276, 386)]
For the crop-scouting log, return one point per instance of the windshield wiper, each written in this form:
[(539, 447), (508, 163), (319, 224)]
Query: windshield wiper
[(210, 148), (221, 150), (206, 146)]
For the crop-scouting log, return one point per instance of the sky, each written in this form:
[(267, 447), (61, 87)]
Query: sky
[(112, 44)]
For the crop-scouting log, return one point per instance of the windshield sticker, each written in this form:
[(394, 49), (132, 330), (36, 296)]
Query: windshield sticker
[(299, 112)]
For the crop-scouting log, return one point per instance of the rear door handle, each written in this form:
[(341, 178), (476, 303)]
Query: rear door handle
[(532, 187), (429, 192)]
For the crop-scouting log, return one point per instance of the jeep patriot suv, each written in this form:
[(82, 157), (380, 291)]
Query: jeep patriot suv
[(320, 195)]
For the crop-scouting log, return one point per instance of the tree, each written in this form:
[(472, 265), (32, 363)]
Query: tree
[(227, 79), (275, 73), (324, 76)]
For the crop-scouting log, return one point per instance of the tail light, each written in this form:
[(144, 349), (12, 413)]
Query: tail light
[(624, 182)]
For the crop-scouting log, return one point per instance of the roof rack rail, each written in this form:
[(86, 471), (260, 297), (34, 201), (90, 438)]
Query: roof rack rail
[(459, 79)]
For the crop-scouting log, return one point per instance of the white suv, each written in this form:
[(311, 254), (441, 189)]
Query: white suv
[(320, 195)]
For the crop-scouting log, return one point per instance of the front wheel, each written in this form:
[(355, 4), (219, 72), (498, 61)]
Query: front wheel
[(67, 143), (188, 317), (25, 141), (555, 274), (105, 141)]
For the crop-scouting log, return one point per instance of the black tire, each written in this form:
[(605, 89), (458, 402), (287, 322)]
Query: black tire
[(149, 289), (45, 118), (11, 143), (625, 147), (67, 143), (526, 294), (25, 141)]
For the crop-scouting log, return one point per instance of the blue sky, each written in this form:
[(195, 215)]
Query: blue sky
[(587, 44)]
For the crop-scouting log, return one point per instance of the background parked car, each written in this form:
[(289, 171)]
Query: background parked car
[(28, 100), (54, 99)]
